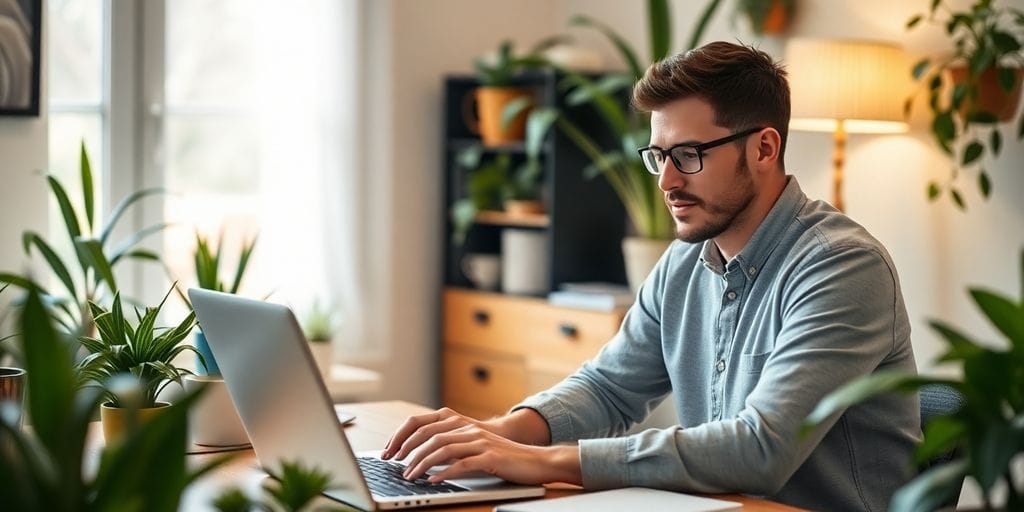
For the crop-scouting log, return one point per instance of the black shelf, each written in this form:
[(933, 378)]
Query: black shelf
[(585, 221)]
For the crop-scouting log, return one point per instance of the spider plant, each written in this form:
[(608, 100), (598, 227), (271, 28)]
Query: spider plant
[(208, 259), (141, 350)]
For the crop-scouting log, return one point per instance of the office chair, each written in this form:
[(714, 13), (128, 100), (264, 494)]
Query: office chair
[(941, 400)]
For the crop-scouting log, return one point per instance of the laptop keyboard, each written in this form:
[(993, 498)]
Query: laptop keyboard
[(385, 479)]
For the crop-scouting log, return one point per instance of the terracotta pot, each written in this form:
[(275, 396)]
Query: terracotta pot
[(519, 207), (490, 102), (991, 96), (777, 19), (115, 420), (640, 255)]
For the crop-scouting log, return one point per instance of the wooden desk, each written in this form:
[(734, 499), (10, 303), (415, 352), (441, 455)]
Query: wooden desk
[(374, 424)]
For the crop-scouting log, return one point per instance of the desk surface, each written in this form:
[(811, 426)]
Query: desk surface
[(374, 424)]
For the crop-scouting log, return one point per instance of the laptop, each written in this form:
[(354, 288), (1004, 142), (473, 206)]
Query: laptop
[(287, 411)]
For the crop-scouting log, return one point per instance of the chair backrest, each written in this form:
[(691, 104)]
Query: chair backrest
[(940, 400)]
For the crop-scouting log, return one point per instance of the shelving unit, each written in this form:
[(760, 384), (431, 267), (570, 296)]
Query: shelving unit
[(497, 348)]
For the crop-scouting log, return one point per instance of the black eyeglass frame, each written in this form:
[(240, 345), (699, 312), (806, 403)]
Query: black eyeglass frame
[(698, 148)]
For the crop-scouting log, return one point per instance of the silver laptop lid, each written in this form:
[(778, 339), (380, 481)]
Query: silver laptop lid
[(281, 399)]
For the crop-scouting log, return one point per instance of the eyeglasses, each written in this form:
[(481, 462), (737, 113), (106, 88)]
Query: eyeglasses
[(688, 158)]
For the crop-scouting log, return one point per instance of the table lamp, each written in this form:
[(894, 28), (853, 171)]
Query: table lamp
[(846, 87)]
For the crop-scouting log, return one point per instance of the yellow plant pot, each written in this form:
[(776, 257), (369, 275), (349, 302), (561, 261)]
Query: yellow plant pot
[(115, 420), (490, 102)]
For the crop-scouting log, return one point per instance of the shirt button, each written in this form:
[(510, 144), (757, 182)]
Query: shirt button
[(731, 295), (720, 366), (752, 270)]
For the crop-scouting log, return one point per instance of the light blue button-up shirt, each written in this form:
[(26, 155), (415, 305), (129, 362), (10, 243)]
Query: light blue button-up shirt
[(747, 348)]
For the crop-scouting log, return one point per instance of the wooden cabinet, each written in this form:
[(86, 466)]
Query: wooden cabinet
[(498, 349)]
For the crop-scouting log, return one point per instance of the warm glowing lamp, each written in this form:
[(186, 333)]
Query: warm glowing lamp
[(846, 87)]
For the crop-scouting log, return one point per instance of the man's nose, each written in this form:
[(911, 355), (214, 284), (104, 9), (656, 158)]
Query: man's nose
[(670, 177)]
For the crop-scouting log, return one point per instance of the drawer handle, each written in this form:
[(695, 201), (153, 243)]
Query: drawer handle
[(481, 374), (481, 317), (568, 330)]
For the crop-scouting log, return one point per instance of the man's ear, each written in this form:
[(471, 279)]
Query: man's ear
[(768, 144)]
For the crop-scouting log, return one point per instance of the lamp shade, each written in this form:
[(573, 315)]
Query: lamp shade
[(861, 84)]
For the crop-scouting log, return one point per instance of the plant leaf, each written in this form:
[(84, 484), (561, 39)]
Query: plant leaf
[(931, 489), (982, 117), (920, 67), (702, 23), (944, 129), (912, 22), (933, 191), (659, 21), (243, 262), (93, 252), (30, 238), (87, 186), (990, 457), (123, 206), (1005, 43), (513, 109), (941, 435), (1003, 313), (1006, 78), (862, 389), (621, 44), (537, 127), (972, 153), (996, 141), (984, 184), (66, 210), (957, 199)]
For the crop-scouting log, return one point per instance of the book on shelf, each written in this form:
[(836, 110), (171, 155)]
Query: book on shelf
[(592, 295)]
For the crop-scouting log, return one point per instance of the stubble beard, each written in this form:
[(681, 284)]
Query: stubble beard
[(722, 213)]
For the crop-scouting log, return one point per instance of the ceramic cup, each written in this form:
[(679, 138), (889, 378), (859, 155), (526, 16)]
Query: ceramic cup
[(213, 420), (484, 270)]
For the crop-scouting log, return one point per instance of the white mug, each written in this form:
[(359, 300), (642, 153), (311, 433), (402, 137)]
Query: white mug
[(213, 420), (484, 270)]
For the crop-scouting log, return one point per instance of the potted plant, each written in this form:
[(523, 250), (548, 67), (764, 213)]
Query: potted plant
[(297, 488), (137, 349), (207, 264), (44, 470), (497, 89), (88, 276), (493, 184), (767, 16), (973, 89), (619, 163), (989, 427), (318, 324)]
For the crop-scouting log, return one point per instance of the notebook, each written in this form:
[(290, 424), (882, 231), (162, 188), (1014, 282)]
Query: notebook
[(630, 498)]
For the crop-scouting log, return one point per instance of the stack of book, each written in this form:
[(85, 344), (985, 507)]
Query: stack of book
[(594, 296)]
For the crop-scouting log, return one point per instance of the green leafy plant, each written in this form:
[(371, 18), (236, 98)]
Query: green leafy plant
[(503, 68), (619, 163), (989, 428), (89, 275), (42, 468), (986, 40), (296, 490), (318, 323), (491, 181), (208, 259), (136, 348)]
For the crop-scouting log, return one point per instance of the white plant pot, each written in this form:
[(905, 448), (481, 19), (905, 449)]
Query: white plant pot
[(525, 264), (213, 420), (323, 354), (641, 254)]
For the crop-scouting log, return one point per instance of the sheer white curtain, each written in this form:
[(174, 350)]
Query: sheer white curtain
[(311, 238)]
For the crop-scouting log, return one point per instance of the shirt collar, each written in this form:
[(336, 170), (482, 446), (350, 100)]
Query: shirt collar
[(764, 240)]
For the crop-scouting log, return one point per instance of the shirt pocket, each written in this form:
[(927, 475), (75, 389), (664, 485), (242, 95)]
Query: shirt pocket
[(753, 363)]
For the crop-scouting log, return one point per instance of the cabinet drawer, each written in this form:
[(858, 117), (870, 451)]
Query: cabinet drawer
[(525, 326), (483, 380)]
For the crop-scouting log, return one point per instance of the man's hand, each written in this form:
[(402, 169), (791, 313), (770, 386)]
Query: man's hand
[(504, 447), (471, 449)]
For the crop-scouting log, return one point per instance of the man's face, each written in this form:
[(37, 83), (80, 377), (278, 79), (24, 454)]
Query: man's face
[(706, 204)]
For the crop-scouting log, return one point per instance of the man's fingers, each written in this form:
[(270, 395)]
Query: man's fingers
[(480, 462), (457, 447), (411, 425), (426, 432)]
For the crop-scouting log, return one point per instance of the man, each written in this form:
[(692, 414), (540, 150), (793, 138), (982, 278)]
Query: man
[(768, 302)]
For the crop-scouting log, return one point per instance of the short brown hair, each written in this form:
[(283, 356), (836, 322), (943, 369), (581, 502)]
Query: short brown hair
[(744, 86)]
